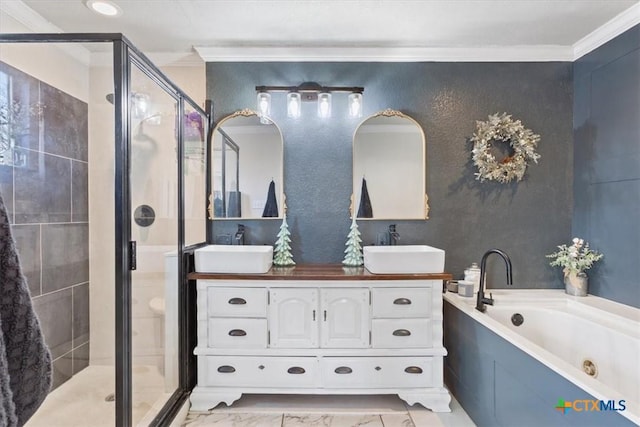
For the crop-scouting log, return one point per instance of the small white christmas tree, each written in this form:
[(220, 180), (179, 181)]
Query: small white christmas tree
[(282, 251), (353, 252)]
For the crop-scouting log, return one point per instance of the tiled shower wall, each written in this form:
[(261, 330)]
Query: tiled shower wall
[(44, 181)]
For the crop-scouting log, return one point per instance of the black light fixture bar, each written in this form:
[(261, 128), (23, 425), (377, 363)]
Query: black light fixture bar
[(310, 87)]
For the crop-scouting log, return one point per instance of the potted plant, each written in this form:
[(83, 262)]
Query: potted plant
[(575, 259)]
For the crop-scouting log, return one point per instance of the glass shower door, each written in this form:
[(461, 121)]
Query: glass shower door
[(153, 179)]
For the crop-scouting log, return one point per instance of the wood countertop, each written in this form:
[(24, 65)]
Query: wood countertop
[(318, 272)]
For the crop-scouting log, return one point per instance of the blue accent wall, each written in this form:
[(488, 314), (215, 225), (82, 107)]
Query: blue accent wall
[(606, 126), (526, 219), (499, 385)]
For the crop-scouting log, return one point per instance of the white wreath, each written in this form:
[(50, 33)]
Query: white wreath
[(502, 128)]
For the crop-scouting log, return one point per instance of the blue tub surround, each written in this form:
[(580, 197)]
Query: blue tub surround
[(606, 176), (504, 375)]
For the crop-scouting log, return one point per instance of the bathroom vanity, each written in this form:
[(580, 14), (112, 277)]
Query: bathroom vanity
[(320, 329)]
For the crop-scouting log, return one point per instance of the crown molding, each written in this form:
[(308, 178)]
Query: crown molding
[(173, 59), (34, 22), (610, 30), (384, 54)]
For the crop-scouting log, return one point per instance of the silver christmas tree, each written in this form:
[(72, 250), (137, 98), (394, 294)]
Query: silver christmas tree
[(282, 251), (353, 252)]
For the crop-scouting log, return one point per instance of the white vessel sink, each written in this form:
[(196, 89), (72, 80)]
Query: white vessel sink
[(403, 259), (234, 259)]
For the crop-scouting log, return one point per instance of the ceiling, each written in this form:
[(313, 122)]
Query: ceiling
[(316, 30)]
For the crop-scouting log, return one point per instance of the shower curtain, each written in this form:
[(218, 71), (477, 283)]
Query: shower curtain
[(25, 361)]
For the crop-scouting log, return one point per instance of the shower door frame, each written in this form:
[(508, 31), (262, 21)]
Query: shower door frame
[(124, 55)]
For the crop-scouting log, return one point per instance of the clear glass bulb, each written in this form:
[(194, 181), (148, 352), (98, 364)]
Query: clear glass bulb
[(355, 105), (264, 107), (294, 105), (324, 105)]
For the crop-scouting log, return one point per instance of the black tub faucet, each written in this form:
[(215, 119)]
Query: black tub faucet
[(482, 300)]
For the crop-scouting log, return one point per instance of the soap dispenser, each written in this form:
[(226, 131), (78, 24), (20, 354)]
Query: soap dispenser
[(472, 274)]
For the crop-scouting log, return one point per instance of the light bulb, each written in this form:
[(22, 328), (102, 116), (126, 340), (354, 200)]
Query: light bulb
[(355, 105), (264, 107), (324, 105), (293, 105)]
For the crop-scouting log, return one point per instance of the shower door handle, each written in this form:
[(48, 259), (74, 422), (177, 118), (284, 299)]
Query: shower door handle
[(133, 256)]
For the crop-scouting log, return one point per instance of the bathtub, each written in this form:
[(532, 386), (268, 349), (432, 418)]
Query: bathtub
[(592, 342)]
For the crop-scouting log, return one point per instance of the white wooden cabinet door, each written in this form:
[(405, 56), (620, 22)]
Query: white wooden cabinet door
[(345, 318), (293, 318)]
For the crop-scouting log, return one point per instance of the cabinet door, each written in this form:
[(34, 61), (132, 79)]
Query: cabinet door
[(345, 318), (293, 318)]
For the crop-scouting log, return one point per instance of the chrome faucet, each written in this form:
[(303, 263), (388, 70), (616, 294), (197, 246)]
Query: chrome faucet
[(240, 235), (394, 236), (482, 300)]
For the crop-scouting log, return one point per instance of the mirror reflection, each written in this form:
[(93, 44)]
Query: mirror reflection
[(247, 168), (389, 168)]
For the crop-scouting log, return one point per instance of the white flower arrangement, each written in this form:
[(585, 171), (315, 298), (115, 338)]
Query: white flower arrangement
[(575, 259), (504, 129)]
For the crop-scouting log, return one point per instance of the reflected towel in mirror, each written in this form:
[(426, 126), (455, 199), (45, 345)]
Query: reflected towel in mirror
[(365, 210), (271, 206), (234, 210)]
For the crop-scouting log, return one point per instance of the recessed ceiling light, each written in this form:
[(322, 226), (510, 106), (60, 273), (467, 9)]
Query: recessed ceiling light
[(104, 7)]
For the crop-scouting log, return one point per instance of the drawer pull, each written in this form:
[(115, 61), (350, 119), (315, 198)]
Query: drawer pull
[(402, 301), (296, 370), (237, 301), (343, 370), (237, 333), (401, 333), (226, 369), (413, 370)]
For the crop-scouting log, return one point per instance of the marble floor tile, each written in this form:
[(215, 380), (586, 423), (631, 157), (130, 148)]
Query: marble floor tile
[(333, 420), (398, 420), (233, 420), (425, 418)]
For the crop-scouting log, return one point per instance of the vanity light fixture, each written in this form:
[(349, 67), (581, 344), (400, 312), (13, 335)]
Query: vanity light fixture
[(324, 105), (294, 105), (104, 7), (306, 92), (355, 105), (264, 107)]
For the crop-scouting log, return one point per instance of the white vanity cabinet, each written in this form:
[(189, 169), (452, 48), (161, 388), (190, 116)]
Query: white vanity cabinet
[(311, 318), (304, 333)]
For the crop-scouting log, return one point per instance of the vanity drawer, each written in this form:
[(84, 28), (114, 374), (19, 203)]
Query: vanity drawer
[(401, 302), (237, 333), (258, 371), (237, 302), (376, 372), (401, 333)]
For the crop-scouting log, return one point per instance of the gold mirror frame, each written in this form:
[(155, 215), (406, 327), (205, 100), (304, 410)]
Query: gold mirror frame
[(353, 208), (276, 176)]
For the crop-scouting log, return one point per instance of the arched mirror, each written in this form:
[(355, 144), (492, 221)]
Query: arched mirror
[(247, 168), (389, 168)]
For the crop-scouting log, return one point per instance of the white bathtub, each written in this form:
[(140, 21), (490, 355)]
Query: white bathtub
[(562, 332)]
